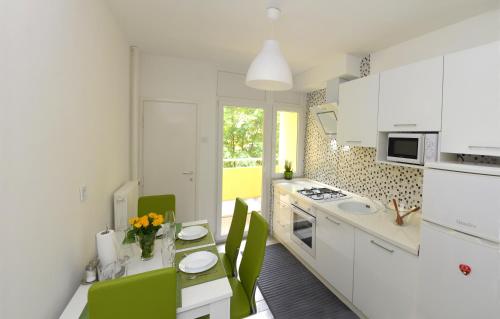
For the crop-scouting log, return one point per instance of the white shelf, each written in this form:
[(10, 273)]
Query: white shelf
[(400, 164)]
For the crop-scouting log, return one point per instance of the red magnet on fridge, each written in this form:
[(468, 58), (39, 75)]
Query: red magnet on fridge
[(465, 269)]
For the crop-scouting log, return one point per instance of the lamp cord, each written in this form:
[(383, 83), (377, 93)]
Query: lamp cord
[(272, 30)]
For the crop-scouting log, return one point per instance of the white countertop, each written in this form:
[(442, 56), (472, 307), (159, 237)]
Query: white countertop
[(380, 224)]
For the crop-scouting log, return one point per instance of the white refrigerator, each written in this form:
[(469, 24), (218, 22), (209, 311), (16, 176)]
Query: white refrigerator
[(460, 246)]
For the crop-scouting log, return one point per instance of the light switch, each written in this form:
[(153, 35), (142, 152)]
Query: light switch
[(83, 193)]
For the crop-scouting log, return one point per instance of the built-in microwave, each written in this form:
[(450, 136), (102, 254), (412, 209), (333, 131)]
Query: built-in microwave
[(411, 148)]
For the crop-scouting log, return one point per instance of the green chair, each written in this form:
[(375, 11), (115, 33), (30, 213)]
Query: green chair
[(234, 237), (152, 294), (243, 299), (157, 204)]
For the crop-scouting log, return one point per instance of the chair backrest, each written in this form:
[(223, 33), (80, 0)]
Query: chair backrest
[(253, 256), (157, 204), (236, 231), (151, 294)]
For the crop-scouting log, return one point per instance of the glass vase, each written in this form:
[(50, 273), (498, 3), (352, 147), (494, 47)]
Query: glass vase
[(147, 244)]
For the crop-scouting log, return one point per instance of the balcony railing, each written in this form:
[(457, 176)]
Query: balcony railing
[(241, 177), (242, 162)]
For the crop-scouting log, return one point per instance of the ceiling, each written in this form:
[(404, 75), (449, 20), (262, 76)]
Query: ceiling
[(230, 32)]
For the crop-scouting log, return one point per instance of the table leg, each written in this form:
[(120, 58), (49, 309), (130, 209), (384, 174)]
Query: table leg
[(220, 309), (194, 313)]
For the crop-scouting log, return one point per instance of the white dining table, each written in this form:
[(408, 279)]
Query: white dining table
[(208, 298)]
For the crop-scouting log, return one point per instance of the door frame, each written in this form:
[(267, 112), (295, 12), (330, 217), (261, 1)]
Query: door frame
[(266, 156), (140, 169)]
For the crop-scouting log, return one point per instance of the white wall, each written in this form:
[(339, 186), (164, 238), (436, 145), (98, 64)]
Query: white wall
[(469, 33), (64, 122), (169, 78)]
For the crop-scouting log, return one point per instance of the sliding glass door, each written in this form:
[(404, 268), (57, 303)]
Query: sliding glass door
[(243, 156)]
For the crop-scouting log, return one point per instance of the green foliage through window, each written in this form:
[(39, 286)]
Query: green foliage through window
[(243, 136)]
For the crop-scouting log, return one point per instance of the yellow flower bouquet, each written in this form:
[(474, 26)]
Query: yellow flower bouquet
[(143, 229)]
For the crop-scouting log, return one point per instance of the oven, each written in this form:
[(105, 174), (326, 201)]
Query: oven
[(303, 230)]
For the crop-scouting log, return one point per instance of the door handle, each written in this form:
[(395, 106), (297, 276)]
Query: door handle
[(187, 173), (333, 221), (487, 147), (384, 248), (354, 141), (405, 124)]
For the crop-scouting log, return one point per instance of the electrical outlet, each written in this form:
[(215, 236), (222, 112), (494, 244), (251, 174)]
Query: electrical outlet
[(83, 193)]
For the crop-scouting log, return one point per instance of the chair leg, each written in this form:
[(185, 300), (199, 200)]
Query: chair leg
[(253, 306)]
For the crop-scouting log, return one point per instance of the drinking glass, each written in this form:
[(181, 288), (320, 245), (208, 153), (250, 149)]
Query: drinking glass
[(170, 217), (168, 246), (170, 224), (107, 272)]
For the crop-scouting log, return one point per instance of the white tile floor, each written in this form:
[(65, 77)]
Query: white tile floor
[(226, 224), (228, 206), (263, 311), (254, 204)]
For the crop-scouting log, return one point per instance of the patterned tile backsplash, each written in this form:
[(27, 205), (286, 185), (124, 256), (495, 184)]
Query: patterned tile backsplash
[(354, 169), (364, 66)]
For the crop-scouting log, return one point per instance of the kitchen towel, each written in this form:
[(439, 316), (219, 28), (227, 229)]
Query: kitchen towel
[(106, 248)]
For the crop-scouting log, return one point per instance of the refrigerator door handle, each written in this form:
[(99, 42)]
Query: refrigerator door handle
[(460, 235)]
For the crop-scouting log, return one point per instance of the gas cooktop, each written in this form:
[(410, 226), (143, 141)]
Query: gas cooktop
[(321, 193)]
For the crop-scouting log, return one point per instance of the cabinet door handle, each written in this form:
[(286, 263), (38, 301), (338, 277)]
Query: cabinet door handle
[(333, 221), (491, 147), (405, 124), (353, 142), (384, 248)]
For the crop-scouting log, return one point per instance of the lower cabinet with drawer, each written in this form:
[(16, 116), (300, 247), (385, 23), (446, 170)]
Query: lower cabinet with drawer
[(281, 220), (335, 252), (385, 279)]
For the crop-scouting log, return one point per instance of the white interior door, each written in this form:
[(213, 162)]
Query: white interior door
[(169, 154)]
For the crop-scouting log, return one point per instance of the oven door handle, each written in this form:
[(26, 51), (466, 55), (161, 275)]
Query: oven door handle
[(303, 214)]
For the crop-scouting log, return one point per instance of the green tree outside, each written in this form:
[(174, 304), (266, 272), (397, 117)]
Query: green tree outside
[(243, 136)]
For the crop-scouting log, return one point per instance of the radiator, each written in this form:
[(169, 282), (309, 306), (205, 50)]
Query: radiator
[(125, 204)]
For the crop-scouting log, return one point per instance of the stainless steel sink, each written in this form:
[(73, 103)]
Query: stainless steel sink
[(357, 207)]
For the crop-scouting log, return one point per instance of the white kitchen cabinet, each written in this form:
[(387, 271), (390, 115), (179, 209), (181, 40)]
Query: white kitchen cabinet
[(335, 252), (410, 97), (385, 279), (358, 109), (446, 289), (281, 220), (471, 101)]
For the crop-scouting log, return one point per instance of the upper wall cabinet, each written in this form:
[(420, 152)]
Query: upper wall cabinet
[(471, 101), (411, 97), (358, 107)]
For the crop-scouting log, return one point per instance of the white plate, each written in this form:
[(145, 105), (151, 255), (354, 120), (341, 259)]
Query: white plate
[(193, 232), (197, 262)]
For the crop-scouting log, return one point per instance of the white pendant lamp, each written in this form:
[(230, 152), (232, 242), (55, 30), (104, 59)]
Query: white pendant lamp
[(269, 70)]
